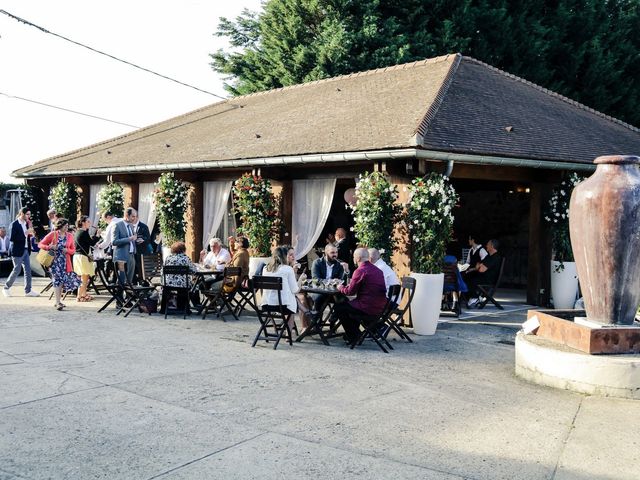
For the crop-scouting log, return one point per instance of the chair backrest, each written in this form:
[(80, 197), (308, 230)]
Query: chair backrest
[(408, 288), (393, 293), (174, 272), (261, 282), (233, 277), (151, 266), (499, 279), (450, 274)]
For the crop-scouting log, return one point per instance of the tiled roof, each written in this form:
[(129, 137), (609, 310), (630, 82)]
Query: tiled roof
[(450, 103)]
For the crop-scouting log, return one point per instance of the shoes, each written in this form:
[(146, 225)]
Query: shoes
[(473, 302), (32, 293), (59, 306), (6, 292)]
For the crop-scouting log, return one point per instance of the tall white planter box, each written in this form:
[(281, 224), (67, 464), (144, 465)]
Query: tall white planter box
[(254, 263), (425, 307), (166, 251), (564, 285)]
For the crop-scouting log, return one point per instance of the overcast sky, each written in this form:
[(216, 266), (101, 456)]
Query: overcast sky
[(170, 37)]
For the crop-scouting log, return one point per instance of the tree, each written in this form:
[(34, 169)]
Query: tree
[(584, 49)]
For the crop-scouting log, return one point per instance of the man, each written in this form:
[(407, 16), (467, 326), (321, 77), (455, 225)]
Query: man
[(52, 216), (476, 255), (111, 220), (344, 252), (324, 268), (240, 259), (123, 239), (390, 277), (367, 284), (21, 231), (143, 245), (218, 257), (4, 243), (488, 271)]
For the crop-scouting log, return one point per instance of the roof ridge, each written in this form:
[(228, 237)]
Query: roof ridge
[(422, 127), (400, 66), (551, 93)]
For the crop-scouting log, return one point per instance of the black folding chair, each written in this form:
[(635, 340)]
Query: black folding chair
[(182, 293), (151, 268), (133, 295), (451, 289), (373, 326), (220, 301), (272, 317), (245, 298), (489, 291), (395, 320), (115, 291)]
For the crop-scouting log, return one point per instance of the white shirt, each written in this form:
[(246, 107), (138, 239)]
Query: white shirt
[(213, 260), (106, 243), (472, 250), (4, 244), (23, 224), (289, 288), (390, 277), (329, 270)]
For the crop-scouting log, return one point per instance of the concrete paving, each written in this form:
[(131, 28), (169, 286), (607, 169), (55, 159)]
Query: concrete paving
[(86, 395)]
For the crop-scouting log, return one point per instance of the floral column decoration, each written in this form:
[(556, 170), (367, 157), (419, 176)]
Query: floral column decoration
[(111, 199), (64, 199), (256, 205), (170, 198), (376, 213)]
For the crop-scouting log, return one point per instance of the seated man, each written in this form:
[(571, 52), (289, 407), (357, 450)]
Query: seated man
[(367, 284), (324, 268), (488, 271), (4, 243), (217, 257), (390, 277), (240, 259)]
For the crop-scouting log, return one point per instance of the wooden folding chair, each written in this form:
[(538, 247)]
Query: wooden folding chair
[(373, 326), (152, 268), (133, 295), (272, 317), (216, 301), (451, 302), (115, 291), (395, 320), (181, 292), (489, 291), (245, 298)]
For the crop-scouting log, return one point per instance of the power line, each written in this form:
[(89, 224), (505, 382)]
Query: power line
[(26, 22), (66, 110)]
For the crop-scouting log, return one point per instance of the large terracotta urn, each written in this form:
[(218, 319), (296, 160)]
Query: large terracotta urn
[(604, 222)]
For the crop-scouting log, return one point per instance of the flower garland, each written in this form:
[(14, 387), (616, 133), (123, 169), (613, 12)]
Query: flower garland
[(256, 205), (376, 213), (429, 221), (64, 199), (557, 216), (110, 199), (170, 199)]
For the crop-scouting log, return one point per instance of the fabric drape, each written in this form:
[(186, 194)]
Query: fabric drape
[(215, 201), (146, 208), (311, 205), (94, 189)]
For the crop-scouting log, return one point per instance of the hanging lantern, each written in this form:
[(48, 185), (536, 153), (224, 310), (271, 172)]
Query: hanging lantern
[(350, 196)]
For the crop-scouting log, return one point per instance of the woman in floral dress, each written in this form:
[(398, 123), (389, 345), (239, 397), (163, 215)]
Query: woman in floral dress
[(61, 242)]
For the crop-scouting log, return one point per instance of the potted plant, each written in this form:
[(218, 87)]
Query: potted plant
[(429, 224), (376, 213), (564, 275), (255, 204), (64, 199), (111, 199), (170, 199)]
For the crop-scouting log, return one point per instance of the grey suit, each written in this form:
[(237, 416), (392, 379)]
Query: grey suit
[(124, 250)]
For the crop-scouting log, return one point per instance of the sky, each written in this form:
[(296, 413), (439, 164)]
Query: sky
[(173, 38)]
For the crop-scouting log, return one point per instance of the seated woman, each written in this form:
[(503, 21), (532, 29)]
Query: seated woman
[(303, 300), (177, 257), (278, 267)]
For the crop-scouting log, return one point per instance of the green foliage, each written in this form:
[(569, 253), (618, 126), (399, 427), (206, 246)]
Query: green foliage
[(256, 205), (429, 221), (170, 199), (65, 200), (557, 216), (376, 213), (585, 50), (111, 199)]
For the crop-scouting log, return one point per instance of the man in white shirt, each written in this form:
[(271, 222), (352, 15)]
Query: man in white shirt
[(218, 257), (111, 221), (4, 243), (390, 277)]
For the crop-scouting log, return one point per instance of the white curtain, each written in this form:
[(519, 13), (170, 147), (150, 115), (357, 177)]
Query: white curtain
[(216, 197), (94, 189), (146, 208), (311, 205)]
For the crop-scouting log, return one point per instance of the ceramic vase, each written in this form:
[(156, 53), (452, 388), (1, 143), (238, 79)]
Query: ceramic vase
[(564, 285), (425, 306), (604, 222)]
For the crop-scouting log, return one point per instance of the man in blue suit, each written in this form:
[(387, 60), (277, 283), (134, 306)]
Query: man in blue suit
[(21, 231), (123, 239)]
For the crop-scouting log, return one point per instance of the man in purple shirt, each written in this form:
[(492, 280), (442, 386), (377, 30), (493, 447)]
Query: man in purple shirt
[(367, 284)]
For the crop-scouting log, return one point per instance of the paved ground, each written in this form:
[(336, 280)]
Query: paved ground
[(86, 395)]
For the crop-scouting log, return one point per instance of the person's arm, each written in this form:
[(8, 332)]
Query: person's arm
[(45, 243), (291, 279), (483, 253), (354, 284), (71, 245)]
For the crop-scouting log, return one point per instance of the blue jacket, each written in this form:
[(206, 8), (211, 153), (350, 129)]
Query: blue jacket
[(18, 240), (120, 241)]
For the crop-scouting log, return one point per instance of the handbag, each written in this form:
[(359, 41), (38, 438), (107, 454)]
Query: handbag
[(45, 257)]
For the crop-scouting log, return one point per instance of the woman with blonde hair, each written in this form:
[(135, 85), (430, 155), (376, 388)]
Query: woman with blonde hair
[(278, 267)]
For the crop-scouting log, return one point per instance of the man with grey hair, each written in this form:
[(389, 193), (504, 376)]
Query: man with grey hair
[(218, 257), (367, 285), (390, 277), (4, 243), (51, 215)]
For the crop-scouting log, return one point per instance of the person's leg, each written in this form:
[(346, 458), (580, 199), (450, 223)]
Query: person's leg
[(26, 265), (58, 292), (121, 272), (351, 325), (131, 267), (82, 290), (17, 268)]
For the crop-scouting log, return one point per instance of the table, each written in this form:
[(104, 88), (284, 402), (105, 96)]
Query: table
[(324, 325)]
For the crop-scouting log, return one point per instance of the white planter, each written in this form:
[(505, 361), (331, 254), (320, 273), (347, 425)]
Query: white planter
[(425, 307), (564, 285), (254, 263), (166, 251)]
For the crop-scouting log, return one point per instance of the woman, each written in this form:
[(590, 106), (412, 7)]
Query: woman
[(278, 267), (83, 260), (303, 300), (61, 242), (177, 257)]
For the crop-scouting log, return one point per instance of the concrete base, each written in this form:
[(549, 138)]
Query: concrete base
[(547, 363)]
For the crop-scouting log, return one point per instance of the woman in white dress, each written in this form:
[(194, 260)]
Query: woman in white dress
[(278, 267)]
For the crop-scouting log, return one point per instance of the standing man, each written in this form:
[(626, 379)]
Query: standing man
[(123, 239), (21, 231), (4, 243), (143, 244), (344, 252), (367, 284)]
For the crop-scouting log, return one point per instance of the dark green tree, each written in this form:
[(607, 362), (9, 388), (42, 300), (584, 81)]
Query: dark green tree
[(588, 50)]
